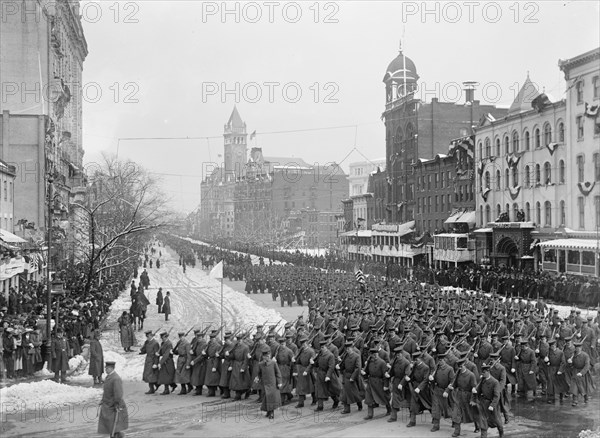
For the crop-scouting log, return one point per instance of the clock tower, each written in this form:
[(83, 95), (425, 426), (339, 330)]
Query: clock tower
[(235, 146)]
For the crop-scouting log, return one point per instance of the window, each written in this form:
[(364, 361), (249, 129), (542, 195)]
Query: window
[(515, 142), (527, 177), (487, 180), (506, 145), (442, 203), (562, 214), (527, 212), (580, 163), (536, 138), (498, 180), (580, 208), (515, 211), (548, 214), (579, 91), (480, 149), (527, 141), (515, 176), (596, 86), (596, 167), (561, 132), (597, 208), (10, 192), (443, 180), (481, 214), (449, 202), (538, 176), (488, 214), (538, 213), (436, 204), (488, 148), (507, 178), (498, 210), (497, 147), (579, 123), (547, 173), (547, 134), (5, 191), (429, 204), (561, 172)]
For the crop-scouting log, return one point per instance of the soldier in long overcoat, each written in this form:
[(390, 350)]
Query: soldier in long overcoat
[(60, 356), (159, 300), (198, 362), (113, 418), (269, 378), (166, 366), (376, 382), (240, 370), (183, 372), (284, 358), (150, 374), (352, 386), (213, 364), (326, 381), (305, 382), (96, 358)]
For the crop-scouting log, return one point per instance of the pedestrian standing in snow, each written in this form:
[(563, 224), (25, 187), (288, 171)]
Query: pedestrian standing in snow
[(96, 358), (167, 306)]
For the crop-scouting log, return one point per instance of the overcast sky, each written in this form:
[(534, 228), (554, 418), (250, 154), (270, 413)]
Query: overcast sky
[(164, 68)]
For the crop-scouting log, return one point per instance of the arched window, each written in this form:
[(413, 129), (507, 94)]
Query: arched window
[(536, 138), (547, 214), (515, 176), (498, 210), (480, 150), (547, 173), (488, 148), (515, 142), (481, 214), (498, 180), (538, 213), (488, 214), (563, 214), (507, 178), (527, 212), (561, 172), (515, 211), (538, 176), (527, 177), (398, 139), (507, 208), (547, 134), (487, 180), (506, 145), (561, 132), (497, 147), (527, 141)]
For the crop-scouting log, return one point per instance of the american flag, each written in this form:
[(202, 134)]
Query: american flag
[(358, 274)]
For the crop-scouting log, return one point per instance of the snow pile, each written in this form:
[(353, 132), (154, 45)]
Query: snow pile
[(590, 433), (31, 396)]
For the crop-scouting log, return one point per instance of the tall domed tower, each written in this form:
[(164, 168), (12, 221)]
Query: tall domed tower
[(400, 118), (235, 137)]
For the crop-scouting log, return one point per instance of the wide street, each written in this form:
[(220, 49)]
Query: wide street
[(196, 300)]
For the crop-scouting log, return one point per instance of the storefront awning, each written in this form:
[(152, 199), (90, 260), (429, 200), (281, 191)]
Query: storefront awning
[(467, 217), (7, 237), (357, 233), (575, 244), (484, 230)]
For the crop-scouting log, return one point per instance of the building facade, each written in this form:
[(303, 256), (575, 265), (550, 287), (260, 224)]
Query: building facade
[(358, 176), (7, 196)]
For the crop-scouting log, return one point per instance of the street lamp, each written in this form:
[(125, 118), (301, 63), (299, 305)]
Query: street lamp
[(48, 285)]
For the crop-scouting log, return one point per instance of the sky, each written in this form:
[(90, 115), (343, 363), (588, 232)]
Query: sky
[(306, 76)]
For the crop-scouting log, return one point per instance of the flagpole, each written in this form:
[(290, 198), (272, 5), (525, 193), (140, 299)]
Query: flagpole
[(221, 307)]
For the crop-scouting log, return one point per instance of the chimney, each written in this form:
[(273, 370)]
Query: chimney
[(469, 88)]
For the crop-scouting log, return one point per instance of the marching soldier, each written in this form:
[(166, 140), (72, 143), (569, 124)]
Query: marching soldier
[(416, 381), (326, 382), (556, 367), (350, 367), (581, 379), (150, 375), (464, 388), (198, 362), (441, 378), (376, 384), (224, 354), (303, 373), (213, 364), (240, 370), (183, 372), (166, 367), (489, 397)]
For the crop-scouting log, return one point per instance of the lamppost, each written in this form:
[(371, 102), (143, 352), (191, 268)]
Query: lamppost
[(48, 284)]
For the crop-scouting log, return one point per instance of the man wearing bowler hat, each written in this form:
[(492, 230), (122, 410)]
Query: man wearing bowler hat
[(113, 418)]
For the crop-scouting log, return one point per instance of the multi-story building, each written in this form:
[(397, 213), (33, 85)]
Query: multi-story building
[(577, 250), (260, 200), (418, 130), (359, 172), (42, 49), (7, 184)]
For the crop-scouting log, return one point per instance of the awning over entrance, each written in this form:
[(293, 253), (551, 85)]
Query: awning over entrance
[(467, 217), (7, 237), (574, 244)]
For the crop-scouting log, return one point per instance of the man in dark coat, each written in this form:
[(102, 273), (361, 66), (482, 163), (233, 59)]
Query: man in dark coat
[(167, 306), (269, 377), (399, 368), (376, 384), (60, 356), (350, 366), (150, 349), (113, 418), (326, 381), (557, 383), (305, 382), (442, 377), (159, 300), (464, 388), (96, 358), (240, 372), (213, 364), (183, 372), (198, 361), (488, 393), (166, 366)]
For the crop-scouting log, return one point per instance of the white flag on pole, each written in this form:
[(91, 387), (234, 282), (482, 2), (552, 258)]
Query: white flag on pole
[(217, 271)]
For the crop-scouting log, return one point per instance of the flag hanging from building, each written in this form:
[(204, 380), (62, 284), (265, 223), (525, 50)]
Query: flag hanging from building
[(217, 271), (253, 134), (360, 277)]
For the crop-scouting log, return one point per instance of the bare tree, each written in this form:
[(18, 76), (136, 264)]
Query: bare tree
[(121, 206)]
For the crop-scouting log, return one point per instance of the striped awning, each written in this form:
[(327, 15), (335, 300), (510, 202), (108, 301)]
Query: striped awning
[(574, 244)]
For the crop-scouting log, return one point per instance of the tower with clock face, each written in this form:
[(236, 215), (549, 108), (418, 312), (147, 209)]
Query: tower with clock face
[(235, 146), (400, 118)]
